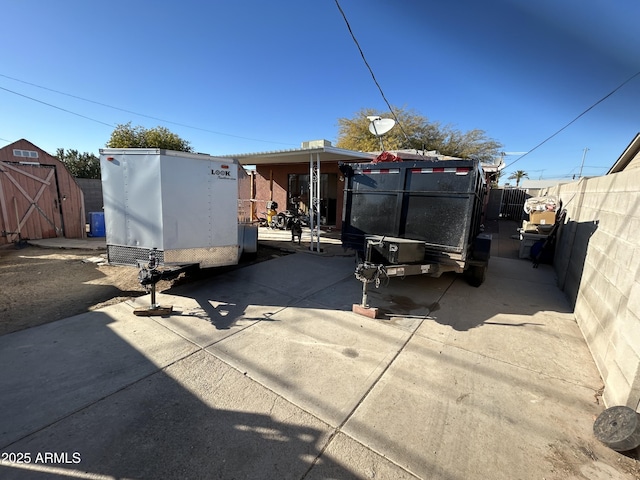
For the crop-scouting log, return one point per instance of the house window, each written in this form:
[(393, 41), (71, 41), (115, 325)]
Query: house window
[(25, 153)]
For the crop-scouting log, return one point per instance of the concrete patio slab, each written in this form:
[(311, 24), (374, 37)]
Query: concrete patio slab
[(198, 418), (520, 319), (51, 371), (345, 455), (442, 412), (454, 383), (415, 296), (322, 360), (401, 301), (299, 274), (217, 308), (95, 243)]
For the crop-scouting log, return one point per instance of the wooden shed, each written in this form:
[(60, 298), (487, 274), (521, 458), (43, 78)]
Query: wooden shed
[(38, 196)]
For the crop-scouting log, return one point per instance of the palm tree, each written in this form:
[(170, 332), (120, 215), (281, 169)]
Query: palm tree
[(518, 175)]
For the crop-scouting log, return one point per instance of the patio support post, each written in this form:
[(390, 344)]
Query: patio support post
[(314, 195)]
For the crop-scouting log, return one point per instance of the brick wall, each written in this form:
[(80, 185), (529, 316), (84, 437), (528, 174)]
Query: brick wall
[(598, 266), (280, 176)]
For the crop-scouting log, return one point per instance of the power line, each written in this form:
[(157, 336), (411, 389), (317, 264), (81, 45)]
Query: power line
[(124, 110), (59, 108), (371, 71), (575, 119)]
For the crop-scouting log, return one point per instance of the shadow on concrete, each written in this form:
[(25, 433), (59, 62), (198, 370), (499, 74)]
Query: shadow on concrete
[(512, 286), (451, 302), (571, 254), (106, 409)]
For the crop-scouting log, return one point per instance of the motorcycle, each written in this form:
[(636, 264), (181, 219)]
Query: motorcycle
[(270, 218), (293, 219)]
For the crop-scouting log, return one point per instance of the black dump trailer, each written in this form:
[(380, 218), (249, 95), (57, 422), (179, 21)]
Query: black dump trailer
[(415, 217)]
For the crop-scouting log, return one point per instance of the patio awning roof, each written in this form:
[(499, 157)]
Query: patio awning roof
[(302, 155)]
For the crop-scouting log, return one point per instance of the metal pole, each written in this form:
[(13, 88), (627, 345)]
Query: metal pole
[(314, 194), (364, 295), (312, 212), (584, 154), (367, 260), (379, 136), (153, 296), (318, 202)]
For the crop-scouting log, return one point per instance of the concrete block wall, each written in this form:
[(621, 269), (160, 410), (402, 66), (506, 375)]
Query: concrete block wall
[(598, 266), (92, 190)]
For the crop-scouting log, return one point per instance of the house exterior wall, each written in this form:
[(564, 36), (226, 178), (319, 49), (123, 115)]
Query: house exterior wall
[(280, 175), (598, 265), (634, 163)]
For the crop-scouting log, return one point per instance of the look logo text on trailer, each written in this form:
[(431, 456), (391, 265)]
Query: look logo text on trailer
[(223, 172)]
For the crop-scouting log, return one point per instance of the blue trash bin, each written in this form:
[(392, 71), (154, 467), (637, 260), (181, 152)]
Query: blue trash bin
[(96, 224)]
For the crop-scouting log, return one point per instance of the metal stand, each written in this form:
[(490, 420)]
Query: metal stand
[(367, 273), (149, 276)]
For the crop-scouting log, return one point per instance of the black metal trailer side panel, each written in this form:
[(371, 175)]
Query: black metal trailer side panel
[(438, 202)]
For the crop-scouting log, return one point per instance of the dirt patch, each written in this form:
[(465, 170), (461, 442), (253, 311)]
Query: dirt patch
[(41, 285)]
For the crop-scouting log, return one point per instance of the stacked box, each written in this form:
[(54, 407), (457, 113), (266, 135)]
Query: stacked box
[(528, 227), (542, 218)]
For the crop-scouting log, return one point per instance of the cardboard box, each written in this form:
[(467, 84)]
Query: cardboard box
[(542, 218), (529, 227)]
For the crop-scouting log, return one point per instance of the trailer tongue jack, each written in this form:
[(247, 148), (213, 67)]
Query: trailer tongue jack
[(367, 273), (149, 276)]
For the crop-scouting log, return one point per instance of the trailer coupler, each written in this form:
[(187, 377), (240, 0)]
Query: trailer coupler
[(148, 276)]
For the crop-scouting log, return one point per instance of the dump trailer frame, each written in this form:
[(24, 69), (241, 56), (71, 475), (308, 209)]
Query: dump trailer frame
[(415, 218)]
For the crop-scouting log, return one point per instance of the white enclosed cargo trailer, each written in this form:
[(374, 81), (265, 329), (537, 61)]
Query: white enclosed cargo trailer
[(192, 208)]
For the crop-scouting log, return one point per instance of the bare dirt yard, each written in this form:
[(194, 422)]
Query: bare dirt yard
[(41, 285)]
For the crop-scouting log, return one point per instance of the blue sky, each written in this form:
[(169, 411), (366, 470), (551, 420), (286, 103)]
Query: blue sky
[(249, 75)]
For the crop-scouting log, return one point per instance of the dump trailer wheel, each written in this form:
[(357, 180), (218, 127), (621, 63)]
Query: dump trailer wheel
[(476, 275)]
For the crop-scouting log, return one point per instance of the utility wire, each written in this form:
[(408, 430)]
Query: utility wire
[(123, 110), (59, 108), (371, 71), (572, 121)]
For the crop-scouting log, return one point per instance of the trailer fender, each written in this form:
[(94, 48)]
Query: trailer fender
[(482, 247)]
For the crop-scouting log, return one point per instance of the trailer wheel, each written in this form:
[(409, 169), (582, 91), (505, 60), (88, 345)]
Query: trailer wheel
[(476, 274)]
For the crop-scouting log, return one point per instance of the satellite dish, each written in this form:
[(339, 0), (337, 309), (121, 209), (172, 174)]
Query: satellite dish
[(380, 126)]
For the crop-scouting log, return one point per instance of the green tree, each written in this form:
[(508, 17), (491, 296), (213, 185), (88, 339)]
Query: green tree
[(421, 134), (80, 165), (518, 175), (126, 136)]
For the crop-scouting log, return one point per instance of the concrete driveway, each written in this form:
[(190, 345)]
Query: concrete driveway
[(265, 373)]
